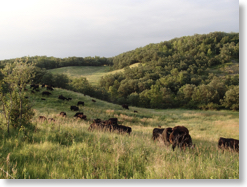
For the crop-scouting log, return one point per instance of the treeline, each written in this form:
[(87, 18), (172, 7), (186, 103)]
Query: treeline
[(178, 73), (53, 62)]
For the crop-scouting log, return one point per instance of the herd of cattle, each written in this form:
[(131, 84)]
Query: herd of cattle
[(176, 136)]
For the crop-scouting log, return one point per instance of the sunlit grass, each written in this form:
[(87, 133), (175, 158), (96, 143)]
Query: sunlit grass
[(92, 73), (66, 149)]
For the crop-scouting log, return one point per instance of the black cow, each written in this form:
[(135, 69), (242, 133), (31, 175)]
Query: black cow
[(75, 108), (228, 143), (63, 114), (97, 120), (49, 88), (93, 100), (51, 119), (109, 125), (81, 116), (166, 135), (68, 99), (61, 97), (157, 132), (34, 86), (113, 121), (46, 93), (180, 137), (80, 103), (42, 118), (78, 113), (125, 106), (135, 111), (122, 129)]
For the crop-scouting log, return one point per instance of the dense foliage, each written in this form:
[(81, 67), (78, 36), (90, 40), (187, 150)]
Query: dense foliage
[(178, 73)]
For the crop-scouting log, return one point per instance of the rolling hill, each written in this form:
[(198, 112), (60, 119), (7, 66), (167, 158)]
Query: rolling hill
[(91, 73)]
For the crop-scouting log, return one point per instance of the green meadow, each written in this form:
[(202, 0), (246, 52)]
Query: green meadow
[(92, 73), (65, 149)]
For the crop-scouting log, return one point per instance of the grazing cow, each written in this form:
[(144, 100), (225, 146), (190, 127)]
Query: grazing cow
[(125, 106), (81, 116), (93, 100), (26, 97), (42, 118), (157, 132), (109, 125), (113, 121), (43, 99), (78, 113), (49, 88), (228, 143), (68, 99), (180, 137), (135, 111), (75, 108), (34, 86), (166, 135), (51, 120), (80, 103), (122, 129), (97, 120), (62, 97), (63, 114), (46, 93)]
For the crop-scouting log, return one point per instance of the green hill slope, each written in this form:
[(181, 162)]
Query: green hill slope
[(92, 73)]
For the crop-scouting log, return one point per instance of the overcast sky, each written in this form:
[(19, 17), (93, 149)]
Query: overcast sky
[(63, 28)]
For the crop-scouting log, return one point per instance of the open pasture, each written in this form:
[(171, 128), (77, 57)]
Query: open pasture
[(92, 73), (66, 149)]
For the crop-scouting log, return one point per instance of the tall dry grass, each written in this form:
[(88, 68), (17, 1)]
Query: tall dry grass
[(66, 149)]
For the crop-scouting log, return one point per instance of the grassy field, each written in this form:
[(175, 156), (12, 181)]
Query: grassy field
[(65, 149), (92, 73)]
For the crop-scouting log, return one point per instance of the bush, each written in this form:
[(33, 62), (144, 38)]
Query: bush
[(20, 115)]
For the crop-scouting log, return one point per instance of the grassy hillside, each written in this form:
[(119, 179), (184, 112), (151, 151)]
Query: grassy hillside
[(66, 149), (92, 73)]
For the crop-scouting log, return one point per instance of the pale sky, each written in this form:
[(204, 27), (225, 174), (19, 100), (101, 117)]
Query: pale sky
[(106, 28)]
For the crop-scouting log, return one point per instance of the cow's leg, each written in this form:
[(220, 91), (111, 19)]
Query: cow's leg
[(173, 146)]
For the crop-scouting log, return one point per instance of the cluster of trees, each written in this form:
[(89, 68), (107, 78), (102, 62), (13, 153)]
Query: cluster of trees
[(177, 74), (199, 51), (53, 62)]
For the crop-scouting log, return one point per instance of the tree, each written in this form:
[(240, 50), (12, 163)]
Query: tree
[(16, 76), (231, 98)]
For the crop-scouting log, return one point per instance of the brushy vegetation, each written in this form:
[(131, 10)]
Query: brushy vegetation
[(66, 149)]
